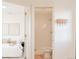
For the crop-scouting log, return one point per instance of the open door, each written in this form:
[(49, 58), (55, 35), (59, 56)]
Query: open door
[(43, 33)]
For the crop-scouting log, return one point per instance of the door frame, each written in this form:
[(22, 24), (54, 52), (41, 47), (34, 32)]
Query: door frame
[(33, 29)]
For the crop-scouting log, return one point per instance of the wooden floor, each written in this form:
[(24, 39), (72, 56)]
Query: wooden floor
[(39, 57), (43, 57)]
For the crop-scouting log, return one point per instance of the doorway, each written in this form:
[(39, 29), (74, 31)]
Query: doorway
[(43, 33)]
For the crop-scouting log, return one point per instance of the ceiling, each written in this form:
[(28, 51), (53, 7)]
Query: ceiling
[(29, 2), (67, 4)]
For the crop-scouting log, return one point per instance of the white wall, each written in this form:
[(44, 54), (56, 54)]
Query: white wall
[(64, 46), (13, 13), (28, 40)]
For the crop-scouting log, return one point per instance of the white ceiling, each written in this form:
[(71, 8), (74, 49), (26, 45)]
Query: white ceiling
[(67, 4), (29, 2)]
